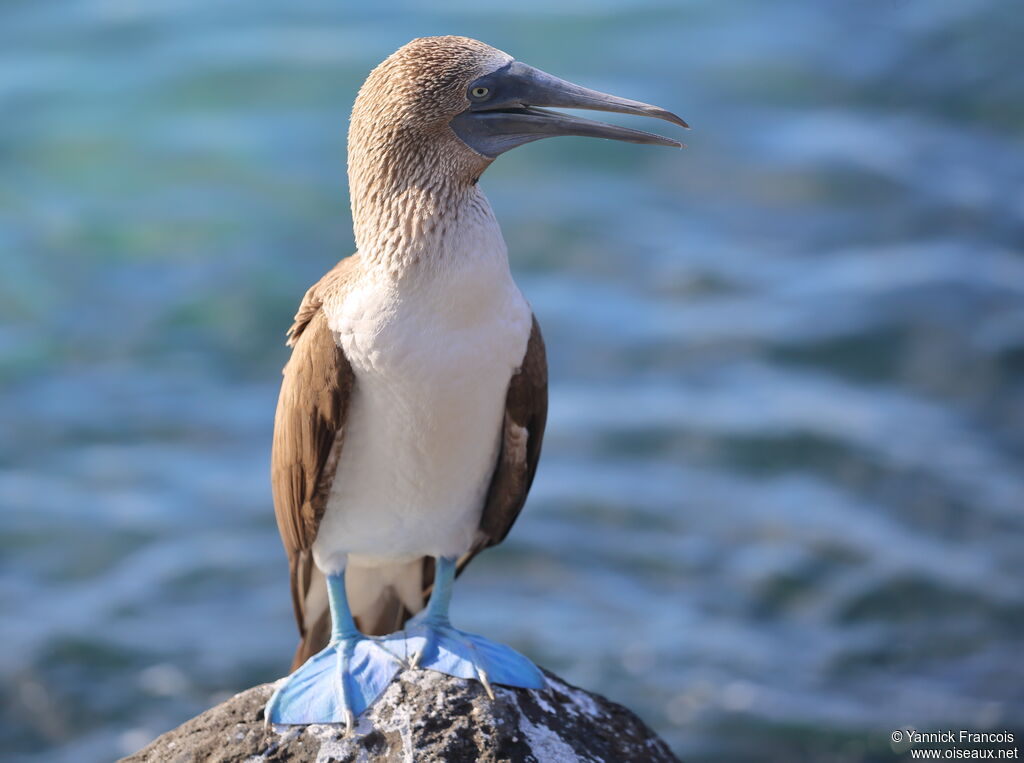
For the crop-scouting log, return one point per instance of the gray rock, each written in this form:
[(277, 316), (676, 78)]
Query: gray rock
[(424, 716)]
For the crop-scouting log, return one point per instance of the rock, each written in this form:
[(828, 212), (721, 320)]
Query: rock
[(424, 716)]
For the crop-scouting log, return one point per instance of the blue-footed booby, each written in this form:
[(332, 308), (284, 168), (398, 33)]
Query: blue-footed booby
[(412, 409)]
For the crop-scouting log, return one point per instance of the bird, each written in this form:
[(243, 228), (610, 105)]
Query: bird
[(412, 407)]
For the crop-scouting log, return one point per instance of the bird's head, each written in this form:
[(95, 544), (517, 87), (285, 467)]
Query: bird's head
[(457, 103)]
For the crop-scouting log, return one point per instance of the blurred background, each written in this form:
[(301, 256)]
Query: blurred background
[(779, 511)]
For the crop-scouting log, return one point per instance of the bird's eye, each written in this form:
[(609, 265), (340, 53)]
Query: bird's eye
[(480, 92)]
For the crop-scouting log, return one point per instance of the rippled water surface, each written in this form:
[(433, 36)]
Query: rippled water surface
[(779, 511)]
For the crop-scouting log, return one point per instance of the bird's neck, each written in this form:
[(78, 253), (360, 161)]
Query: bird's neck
[(417, 205)]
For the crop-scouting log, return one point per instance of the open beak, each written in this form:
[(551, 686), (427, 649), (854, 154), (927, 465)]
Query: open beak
[(505, 112)]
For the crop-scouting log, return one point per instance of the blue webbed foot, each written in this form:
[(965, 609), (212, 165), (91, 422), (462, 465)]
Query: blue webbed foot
[(334, 685), (431, 642)]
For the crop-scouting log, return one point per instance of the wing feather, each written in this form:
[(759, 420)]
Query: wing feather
[(526, 410), (309, 431)]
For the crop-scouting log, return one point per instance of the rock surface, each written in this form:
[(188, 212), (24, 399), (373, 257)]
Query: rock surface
[(424, 716)]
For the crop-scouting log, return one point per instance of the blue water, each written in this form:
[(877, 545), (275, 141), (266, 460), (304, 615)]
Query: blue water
[(779, 511)]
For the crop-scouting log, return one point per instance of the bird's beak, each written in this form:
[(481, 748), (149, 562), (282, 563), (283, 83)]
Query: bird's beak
[(504, 112)]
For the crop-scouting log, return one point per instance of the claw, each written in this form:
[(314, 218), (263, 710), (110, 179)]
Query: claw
[(435, 645), (438, 646), (350, 722), (482, 675)]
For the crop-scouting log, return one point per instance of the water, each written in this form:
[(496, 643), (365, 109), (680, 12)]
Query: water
[(779, 508)]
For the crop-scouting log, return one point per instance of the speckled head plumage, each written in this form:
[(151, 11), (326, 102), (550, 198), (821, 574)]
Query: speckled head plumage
[(405, 163), (432, 116), (422, 85)]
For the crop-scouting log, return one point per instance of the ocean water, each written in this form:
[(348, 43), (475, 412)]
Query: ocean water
[(780, 509)]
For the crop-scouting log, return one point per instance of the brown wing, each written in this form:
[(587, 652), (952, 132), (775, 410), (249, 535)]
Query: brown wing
[(308, 433), (526, 411)]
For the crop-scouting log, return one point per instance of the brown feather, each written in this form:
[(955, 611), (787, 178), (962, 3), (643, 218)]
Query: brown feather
[(526, 411), (308, 431)]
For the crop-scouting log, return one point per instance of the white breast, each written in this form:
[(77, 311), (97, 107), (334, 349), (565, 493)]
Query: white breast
[(433, 355)]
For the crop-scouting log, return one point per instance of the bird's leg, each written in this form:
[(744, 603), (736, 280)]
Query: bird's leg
[(436, 645), (340, 682), (435, 615)]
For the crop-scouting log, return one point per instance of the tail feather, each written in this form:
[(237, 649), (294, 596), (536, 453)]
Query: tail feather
[(388, 615), (383, 597)]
